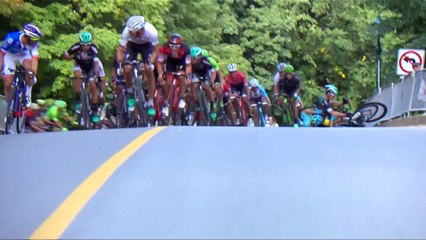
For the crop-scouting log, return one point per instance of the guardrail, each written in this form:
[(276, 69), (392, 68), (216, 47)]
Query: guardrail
[(403, 97)]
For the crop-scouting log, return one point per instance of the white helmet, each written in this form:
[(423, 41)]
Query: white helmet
[(281, 67), (232, 67), (135, 23), (254, 82)]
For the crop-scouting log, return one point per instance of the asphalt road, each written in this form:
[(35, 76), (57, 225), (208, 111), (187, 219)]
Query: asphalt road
[(186, 182)]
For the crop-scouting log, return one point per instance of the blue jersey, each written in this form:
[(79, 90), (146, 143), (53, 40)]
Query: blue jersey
[(263, 91), (12, 44)]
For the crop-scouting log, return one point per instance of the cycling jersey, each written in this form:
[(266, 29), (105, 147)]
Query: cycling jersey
[(240, 78), (324, 108), (166, 53), (203, 68), (84, 59), (213, 63), (175, 60), (289, 86), (12, 44)]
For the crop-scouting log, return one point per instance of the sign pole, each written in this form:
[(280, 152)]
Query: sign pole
[(378, 59)]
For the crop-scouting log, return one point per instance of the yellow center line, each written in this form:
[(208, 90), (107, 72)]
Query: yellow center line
[(54, 226)]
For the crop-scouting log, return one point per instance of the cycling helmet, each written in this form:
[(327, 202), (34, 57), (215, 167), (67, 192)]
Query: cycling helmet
[(254, 82), (135, 23), (60, 104), (32, 31), (329, 88), (288, 68), (205, 53), (85, 37), (281, 67), (195, 51), (316, 119), (232, 67), (175, 39)]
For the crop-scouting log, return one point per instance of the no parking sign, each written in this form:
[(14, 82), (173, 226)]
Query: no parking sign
[(406, 59)]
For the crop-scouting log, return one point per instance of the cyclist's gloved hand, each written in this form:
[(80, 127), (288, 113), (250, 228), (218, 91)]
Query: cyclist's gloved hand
[(345, 100)]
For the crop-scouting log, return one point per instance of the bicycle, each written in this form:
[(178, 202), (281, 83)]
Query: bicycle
[(174, 112), (121, 113), (15, 104), (285, 110), (240, 109), (202, 112), (140, 117), (83, 117), (261, 121)]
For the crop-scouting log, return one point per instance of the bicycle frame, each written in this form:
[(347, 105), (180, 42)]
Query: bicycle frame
[(15, 105), (137, 75), (241, 110)]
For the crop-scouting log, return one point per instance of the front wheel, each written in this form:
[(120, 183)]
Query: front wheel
[(372, 111), (10, 111)]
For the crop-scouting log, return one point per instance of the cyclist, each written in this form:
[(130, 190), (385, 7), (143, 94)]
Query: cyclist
[(238, 83), (139, 36), (202, 73), (258, 94), (218, 81), (227, 103), (280, 72), (58, 116), (175, 54), (85, 56), (288, 85), (325, 107), (22, 47)]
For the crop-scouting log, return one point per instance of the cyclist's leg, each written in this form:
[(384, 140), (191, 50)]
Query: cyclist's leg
[(30, 78), (131, 55), (77, 87), (102, 78), (245, 91), (8, 63), (146, 51), (229, 107)]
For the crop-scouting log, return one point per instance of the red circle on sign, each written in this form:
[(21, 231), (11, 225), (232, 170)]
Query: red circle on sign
[(403, 56)]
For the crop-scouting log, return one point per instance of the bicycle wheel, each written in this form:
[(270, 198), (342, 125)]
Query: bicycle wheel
[(19, 112), (205, 109), (83, 118), (141, 114), (286, 113), (372, 111), (10, 110), (260, 117)]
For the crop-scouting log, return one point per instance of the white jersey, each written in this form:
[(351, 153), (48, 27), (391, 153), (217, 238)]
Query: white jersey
[(150, 36)]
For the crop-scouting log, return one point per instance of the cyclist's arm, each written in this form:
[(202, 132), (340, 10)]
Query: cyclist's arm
[(155, 54), (121, 50), (212, 75), (96, 66), (34, 64)]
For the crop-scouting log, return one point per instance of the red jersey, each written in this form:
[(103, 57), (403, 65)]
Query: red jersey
[(240, 77), (166, 52)]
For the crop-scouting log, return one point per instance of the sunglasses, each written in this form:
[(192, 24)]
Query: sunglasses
[(174, 46), (34, 39), (85, 44)]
